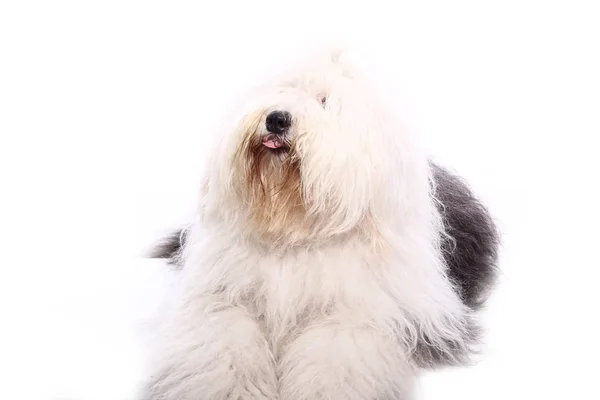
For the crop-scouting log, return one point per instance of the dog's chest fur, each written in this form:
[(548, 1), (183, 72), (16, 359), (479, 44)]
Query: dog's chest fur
[(342, 284)]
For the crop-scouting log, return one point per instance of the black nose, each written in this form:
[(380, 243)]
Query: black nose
[(278, 121)]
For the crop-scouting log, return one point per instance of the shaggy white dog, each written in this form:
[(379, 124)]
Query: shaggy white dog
[(325, 263)]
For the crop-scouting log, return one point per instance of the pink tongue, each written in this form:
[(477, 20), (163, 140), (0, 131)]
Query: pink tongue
[(272, 142)]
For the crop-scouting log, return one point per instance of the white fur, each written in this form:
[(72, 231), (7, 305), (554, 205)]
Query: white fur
[(332, 311)]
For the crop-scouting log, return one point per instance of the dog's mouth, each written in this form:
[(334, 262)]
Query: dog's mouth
[(275, 142)]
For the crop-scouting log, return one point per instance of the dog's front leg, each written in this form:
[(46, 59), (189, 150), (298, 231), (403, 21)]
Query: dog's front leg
[(213, 353), (332, 361)]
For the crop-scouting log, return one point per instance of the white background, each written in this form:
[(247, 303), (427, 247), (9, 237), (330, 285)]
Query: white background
[(106, 107)]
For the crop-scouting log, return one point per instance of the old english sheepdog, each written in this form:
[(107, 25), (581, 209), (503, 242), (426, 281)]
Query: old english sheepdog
[(331, 258)]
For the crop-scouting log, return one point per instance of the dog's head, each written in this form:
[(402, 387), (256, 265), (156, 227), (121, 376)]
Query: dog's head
[(308, 158)]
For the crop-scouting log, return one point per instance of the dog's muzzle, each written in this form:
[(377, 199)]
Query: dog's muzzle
[(277, 124)]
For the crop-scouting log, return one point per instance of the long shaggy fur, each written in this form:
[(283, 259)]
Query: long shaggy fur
[(335, 267), (471, 240)]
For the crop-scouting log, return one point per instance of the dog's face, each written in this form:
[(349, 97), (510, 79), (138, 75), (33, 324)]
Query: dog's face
[(308, 158)]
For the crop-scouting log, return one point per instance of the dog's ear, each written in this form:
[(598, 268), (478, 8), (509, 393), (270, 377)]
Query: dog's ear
[(337, 52)]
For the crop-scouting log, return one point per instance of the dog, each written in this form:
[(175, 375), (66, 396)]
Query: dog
[(330, 259)]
